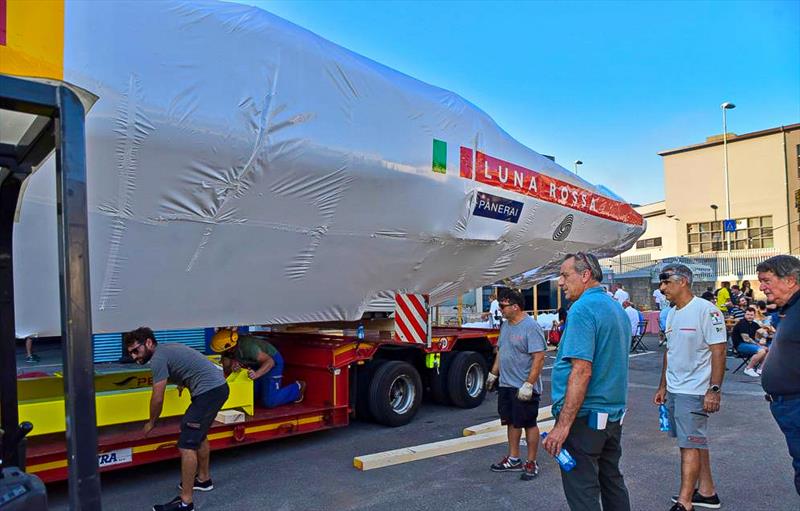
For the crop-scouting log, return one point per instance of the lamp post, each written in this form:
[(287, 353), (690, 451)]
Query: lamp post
[(577, 162), (714, 244), (725, 107)]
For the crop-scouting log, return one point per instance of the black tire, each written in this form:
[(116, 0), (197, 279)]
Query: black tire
[(362, 380), (438, 380), (395, 393), (466, 379)]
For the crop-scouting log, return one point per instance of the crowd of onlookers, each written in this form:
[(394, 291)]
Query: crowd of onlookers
[(750, 323)]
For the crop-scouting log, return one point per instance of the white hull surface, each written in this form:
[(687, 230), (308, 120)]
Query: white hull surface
[(242, 170)]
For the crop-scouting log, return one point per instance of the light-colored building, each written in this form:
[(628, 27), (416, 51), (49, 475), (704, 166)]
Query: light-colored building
[(764, 180), (764, 184)]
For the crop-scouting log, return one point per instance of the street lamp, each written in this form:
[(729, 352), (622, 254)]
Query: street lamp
[(715, 208), (577, 162), (725, 107)]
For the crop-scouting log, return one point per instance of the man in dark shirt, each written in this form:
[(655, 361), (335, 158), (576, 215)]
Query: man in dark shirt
[(743, 336), (736, 311), (779, 277)]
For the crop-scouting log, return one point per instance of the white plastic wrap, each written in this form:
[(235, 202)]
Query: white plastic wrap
[(242, 170)]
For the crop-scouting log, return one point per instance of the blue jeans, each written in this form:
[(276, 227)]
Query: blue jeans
[(747, 348), (268, 391), (787, 415)]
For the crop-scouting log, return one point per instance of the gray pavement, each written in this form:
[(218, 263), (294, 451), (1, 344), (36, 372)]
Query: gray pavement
[(314, 472)]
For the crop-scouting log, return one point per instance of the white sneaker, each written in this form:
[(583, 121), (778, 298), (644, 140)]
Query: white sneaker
[(751, 372)]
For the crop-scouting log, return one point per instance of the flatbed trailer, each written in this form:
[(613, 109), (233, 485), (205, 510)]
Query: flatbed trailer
[(372, 378)]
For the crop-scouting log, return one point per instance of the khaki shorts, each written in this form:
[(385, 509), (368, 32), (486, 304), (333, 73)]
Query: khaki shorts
[(687, 420)]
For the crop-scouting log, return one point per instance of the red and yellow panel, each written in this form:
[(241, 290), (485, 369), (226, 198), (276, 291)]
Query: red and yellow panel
[(32, 38)]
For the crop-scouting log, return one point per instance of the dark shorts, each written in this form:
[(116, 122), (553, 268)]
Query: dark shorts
[(519, 414), (199, 416)]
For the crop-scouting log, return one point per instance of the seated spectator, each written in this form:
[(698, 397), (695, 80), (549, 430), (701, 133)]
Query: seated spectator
[(633, 317), (744, 342), (554, 335), (709, 295), (736, 311), (736, 294)]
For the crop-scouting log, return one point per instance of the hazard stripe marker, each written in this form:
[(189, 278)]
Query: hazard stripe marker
[(411, 318)]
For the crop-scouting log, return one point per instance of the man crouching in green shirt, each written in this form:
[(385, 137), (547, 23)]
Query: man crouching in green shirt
[(264, 366), (589, 389)]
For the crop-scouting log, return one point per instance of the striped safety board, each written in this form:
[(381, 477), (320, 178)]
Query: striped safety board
[(411, 318)]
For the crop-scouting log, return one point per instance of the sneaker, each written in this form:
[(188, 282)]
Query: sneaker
[(302, 385), (507, 465), (175, 504), (698, 500), (32, 359), (677, 507), (199, 485), (529, 470), (751, 372)]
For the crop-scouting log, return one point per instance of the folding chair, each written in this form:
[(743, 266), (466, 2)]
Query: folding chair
[(745, 360), (636, 342)]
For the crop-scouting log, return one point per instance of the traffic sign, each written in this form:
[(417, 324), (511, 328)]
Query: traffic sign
[(729, 225)]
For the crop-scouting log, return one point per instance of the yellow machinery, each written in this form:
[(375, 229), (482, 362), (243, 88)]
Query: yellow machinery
[(121, 397)]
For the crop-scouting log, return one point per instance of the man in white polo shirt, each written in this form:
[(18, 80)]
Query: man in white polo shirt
[(691, 377), (620, 295)]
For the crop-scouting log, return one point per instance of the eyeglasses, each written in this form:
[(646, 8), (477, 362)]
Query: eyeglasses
[(133, 350), (504, 305), (666, 277)]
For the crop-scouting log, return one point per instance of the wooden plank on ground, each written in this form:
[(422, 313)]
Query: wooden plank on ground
[(545, 413), (424, 451)]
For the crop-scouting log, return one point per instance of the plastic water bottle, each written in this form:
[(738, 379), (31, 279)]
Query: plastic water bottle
[(360, 332), (663, 417), (564, 458)]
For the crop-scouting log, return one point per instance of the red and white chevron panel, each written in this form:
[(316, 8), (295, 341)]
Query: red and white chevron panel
[(411, 318)]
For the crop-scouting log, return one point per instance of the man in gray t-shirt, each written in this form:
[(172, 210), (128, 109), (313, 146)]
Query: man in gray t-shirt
[(185, 367), (518, 366)]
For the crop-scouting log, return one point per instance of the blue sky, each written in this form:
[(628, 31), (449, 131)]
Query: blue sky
[(608, 83)]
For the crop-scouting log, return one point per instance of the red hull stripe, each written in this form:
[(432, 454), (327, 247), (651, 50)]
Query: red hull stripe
[(509, 176)]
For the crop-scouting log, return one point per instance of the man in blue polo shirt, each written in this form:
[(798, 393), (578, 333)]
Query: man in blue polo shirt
[(589, 389)]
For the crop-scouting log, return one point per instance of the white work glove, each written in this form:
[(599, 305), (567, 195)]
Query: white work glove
[(491, 381), (525, 393)]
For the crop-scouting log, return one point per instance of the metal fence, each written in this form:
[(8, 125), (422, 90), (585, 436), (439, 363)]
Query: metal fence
[(741, 263)]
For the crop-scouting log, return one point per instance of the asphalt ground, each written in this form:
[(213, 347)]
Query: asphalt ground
[(750, 463)]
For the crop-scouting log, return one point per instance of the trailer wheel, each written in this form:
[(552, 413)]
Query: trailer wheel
[(395, 393), (438, 381), (466, 379)]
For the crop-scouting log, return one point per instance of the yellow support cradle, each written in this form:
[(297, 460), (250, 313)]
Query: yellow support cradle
[(41, 400)]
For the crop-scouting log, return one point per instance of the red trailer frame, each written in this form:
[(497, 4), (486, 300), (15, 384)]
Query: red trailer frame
[(324, 362)]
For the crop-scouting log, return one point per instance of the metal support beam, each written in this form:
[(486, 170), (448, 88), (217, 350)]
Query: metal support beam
[(9, 192), (76, 319)]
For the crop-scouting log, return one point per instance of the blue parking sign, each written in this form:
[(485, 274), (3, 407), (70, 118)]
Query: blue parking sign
[(729, 225)]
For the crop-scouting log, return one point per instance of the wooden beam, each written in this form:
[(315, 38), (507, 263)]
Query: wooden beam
[(424, 451), (545, 413)]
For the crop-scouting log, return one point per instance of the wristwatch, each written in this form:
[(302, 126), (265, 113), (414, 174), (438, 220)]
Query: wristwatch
[(714, 388)]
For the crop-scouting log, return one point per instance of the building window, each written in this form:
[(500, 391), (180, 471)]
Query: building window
[(798, 160), (751, 232), (649, 243)]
